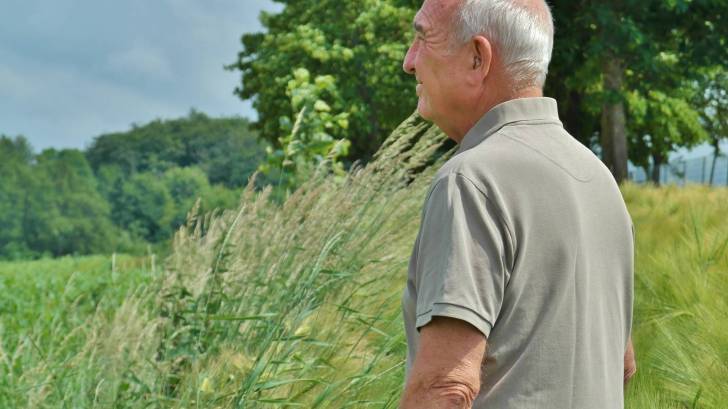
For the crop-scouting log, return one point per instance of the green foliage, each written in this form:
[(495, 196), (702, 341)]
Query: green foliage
[(310, 143), (217, 197), (185, 186), (49, 203), (135, 187), (68, 213), (353, 50), (188, 186), (152, 206), (145, 208), (660, 45), (15, 174), (224, 148), (712, 103), (661, 123)]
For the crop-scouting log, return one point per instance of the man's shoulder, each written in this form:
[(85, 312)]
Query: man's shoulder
[(526, 150), (481, 164), (458, 176)]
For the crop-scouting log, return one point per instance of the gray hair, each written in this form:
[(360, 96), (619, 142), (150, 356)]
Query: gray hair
[(524, 36)]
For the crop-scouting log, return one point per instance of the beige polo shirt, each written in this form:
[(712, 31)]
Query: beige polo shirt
[(525, 235)]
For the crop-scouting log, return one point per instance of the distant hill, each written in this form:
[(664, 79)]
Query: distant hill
[(127, 190), (224, 148)]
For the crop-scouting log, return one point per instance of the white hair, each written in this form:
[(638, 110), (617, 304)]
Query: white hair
[(522, 35)]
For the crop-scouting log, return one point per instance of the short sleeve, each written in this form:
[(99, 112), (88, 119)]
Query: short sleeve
[(461, 267)]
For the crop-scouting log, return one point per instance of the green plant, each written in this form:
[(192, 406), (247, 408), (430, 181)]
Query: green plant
[(310, 143)]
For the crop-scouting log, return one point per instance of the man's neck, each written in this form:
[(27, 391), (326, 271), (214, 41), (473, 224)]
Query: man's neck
[(486, 105)]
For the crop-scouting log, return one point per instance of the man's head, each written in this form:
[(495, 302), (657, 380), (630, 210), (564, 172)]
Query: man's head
[(470, 55)]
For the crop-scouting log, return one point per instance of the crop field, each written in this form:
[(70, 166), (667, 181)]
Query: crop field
[(298, 305)]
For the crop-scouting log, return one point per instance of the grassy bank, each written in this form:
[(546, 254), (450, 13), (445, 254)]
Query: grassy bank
[(50, 312), (299, 305)]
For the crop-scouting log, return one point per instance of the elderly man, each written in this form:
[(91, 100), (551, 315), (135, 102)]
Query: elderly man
[(525, 246)]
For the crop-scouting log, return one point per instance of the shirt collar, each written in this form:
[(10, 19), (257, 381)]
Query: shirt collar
[(515, 110)]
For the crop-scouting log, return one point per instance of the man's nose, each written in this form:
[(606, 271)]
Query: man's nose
[(409, 61)]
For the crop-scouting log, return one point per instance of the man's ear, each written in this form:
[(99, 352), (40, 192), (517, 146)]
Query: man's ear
[(482, 53)]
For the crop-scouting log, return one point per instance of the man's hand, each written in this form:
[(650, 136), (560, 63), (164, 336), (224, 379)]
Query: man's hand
[(446, 371), (630, 366)]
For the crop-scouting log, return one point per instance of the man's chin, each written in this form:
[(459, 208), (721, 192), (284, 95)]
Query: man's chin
[(424, 111)]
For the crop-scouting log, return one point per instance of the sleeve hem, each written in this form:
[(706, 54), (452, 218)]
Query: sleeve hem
[(457, 312)]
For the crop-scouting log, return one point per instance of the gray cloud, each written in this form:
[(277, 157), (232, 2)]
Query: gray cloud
[(143, 60), (71, 70)]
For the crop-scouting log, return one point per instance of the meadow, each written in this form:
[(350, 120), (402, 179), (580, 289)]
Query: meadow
[(298, 304)]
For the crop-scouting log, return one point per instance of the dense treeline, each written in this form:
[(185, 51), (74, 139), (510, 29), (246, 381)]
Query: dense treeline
[(223, 148), (126, 190)]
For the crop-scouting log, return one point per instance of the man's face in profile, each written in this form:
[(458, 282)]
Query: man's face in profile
[(434, 61)]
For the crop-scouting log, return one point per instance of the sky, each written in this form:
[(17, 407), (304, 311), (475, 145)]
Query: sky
[(71, 70)]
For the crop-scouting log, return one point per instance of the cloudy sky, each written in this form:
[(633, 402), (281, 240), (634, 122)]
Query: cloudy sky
[(73, 69)]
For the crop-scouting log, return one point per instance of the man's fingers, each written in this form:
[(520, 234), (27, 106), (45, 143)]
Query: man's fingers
[(629, 373), (630, 366)]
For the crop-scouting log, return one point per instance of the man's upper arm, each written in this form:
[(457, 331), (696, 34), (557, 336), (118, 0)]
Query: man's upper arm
[(462, 265), (446, 371), (460, 279)]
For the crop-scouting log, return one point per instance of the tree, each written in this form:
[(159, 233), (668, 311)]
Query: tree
[(145, 208), (224, 148), (712, 102), (604, 50), (49, 203), (185, 185), (661, 123), (15, 173), (309, 147), (358, 44), (137, 188), (66, 213)]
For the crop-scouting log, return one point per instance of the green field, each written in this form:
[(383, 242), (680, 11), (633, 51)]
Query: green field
[(50, 312), (299, 305)]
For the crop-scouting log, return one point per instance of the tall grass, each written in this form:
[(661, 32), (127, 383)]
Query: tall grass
[(298, 304), (52, 314), (681, 320)]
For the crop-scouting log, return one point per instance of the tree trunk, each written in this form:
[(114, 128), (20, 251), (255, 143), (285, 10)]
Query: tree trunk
[(657, 161), (716, 155), (614, 132)]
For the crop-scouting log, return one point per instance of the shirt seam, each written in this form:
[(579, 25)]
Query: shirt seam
[(532, 121), (428, 313), (495, 205), (454, 305), (486, 134), (432, 189), (514, 139), (499, 126)]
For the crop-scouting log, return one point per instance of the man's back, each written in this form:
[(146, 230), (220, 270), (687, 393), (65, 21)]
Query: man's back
[(558, 239)]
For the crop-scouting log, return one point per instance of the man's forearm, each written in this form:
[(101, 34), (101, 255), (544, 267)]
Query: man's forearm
[(452, 396)]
